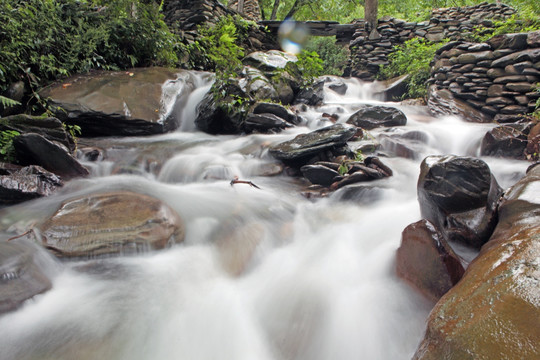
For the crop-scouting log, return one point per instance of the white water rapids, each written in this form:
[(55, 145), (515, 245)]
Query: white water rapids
[(262, 274)]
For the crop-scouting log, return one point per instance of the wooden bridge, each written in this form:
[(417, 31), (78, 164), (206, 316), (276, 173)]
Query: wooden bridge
[(343, 33)]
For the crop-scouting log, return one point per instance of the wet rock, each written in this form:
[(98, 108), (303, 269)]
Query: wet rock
[(269, 60), (111, 224), (265, 123), (312, 95), (493, 312), (254, 84), (214, 118), (34, 149), (50, 128), (276, 109), (320, 174), (22, 184), (20, 275), (409, 145), (459, 196), (426, 261), (107, 103), (16, 92), (306, 145), (371, 117), (443, 102), (506, 141)]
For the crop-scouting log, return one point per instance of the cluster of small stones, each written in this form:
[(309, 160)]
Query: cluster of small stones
[(370, 49), (185, 16), (497, 77), (248, 8)]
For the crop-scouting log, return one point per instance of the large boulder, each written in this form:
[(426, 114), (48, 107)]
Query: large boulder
[(304, 146), (114, 103), (426, 261), (111, 224), (459, 196), (374, 116), (21, 184), (36, 150), (21, 277), (494, 311)]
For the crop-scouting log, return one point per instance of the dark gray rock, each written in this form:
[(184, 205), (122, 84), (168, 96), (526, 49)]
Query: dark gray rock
[(276, 109), (320, 174), (313, 95), (371, 117), (443, 102), (34, 149), (50, 128), (306, 145), (22, 184), (459, 195), (506, 141), (264, 123)]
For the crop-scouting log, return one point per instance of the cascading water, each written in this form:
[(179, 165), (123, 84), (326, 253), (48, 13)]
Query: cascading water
[(262, 274)]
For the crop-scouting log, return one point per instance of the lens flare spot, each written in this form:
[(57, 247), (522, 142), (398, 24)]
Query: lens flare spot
[(292, 36)]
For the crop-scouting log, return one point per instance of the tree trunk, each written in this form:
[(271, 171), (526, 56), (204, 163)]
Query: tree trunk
[(297, 5), (274, 10), (371, 10)]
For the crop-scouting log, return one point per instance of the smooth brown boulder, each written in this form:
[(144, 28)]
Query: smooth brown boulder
[(494, 311), (426, 261), (111, 224)]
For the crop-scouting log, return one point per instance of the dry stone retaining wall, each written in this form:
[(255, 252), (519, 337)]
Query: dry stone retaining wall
[(497, 77), (369, 50), (249, 8), (184, 16)]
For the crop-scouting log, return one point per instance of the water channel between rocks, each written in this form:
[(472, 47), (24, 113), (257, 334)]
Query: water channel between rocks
[(263, 273)]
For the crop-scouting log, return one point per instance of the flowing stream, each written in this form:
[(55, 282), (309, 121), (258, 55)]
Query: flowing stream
[(263, 273)]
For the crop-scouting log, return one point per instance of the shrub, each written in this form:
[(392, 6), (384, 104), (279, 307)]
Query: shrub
[(42, 40), (334, 57), (412, 58), (514, 24)]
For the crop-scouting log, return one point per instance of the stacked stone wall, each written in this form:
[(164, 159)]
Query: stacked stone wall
[(251, 9), (497, 77), (184, 16), (370, 50)]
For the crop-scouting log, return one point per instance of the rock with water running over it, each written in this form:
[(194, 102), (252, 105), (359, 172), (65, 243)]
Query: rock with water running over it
[(20, 275), (442, 102), (36, 150), (312, 95), (374, 116), (19, 184), (115, 103), (426, 261), (459, 196), (494, 311), (304, 146), (111, 224)]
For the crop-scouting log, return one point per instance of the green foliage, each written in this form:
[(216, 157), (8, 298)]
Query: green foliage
[(412, 58), (310, 66), (334, 57), (218, 48), (7, 102), (7, 151), (42, 40), (514, 24)]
